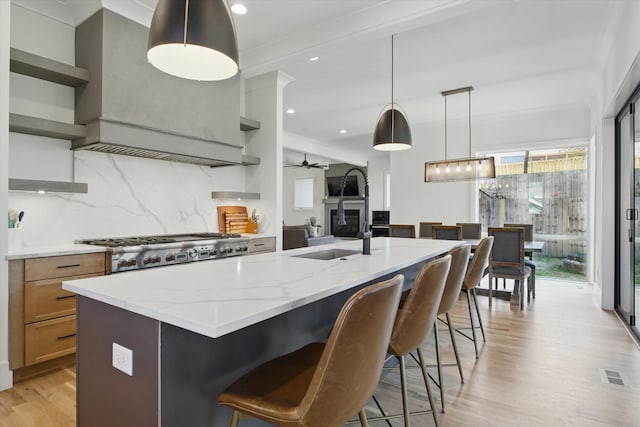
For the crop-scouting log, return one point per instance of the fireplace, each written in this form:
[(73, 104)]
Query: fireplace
[(352, 217)]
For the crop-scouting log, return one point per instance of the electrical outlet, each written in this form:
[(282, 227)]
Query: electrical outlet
[(122, 359)]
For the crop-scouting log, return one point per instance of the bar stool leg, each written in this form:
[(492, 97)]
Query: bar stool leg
[(363, 418), (473, 327), (475, 301), (455, 347), (426, 383), (439, 363), (403, 384), (234, 419)]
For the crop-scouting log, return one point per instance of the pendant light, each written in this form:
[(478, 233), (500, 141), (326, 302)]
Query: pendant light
[(193, 39), (392, 131), (467, 168)]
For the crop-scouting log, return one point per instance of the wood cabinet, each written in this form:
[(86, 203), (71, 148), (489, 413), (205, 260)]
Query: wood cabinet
[(42, 319), (262, 244)]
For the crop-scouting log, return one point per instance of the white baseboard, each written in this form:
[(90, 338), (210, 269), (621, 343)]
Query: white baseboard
[(6, 376)]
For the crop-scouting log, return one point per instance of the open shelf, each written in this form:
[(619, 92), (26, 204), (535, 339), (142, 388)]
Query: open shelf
[(248, 124), (29, 64), (43, 127), (47, 186)]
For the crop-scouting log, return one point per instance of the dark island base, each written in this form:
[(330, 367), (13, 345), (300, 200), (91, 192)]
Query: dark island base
[(177, 374)]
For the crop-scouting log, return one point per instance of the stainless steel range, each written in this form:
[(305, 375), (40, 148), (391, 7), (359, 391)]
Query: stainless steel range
[(134, 253)]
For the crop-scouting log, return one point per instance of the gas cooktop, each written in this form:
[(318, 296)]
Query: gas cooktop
[(136, 252), (115, 242)]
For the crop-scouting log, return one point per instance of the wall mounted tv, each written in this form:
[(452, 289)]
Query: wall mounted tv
[(350, 187)]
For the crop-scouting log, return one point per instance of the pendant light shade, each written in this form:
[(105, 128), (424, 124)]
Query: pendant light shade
[(193, 39), (392, 131)]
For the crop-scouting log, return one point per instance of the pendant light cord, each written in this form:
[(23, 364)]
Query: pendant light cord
[(469, 92), (445, 127), (186, 21), (393, 118)]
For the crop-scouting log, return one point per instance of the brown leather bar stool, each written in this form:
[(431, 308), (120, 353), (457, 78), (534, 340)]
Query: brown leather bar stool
[(324, 384), (459, 262), (413, 325), (476, 271)]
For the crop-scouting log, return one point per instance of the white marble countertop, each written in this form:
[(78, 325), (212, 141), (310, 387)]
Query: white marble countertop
[(44, 251), (218, 297)]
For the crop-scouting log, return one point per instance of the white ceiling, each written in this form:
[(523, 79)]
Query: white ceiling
[(518, 54)]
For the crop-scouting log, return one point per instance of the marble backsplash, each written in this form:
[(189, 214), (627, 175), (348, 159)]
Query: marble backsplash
[(127, 196)]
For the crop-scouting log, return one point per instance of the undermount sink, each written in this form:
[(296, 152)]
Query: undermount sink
[(328, 254)]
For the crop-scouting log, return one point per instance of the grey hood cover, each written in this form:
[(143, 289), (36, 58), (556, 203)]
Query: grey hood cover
[(131, 108)]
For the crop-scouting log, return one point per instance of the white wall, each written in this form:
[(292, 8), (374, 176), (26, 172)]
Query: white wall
[(413, 200), (127, 195), (290, 214)]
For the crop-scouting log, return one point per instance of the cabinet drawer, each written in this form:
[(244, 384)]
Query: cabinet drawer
[(45, 299), (49, 339), (63, 266), (263, 244)]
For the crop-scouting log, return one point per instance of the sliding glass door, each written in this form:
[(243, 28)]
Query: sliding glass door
[(628, 218)]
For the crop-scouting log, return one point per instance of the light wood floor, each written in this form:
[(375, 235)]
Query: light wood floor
[(539, 367)]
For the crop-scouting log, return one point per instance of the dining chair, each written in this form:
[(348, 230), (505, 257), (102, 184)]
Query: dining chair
[(528, 237), (425, 229), (446, 232), (477, 270), (402, 230), (528, 234), (507, 259), (459, 261), (414, 322), (471, 230), (324, 384)]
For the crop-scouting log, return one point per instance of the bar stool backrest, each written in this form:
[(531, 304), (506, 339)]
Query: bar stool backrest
[(402, 230), (479, 263), (415, 319), (459, 262), (528, 230), (351, 363)]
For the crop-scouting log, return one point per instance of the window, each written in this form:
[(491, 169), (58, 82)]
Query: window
[(303, 193), (549, 189)]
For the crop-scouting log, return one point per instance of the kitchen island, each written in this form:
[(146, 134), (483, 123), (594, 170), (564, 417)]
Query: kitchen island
[(192, 329)]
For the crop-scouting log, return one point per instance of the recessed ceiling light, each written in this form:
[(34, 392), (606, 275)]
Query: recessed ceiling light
[(291, 111), (343, 131), (315, 58), (239, 9)]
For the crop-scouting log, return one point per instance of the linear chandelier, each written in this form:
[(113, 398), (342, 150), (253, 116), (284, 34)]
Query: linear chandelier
[(467, 168)]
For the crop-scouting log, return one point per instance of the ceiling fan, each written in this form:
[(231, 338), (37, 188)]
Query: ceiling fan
[(306, 164)]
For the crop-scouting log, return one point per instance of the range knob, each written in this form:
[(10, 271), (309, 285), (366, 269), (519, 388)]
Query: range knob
[(156, 259), (193, 253), (122, 263), (147, 260), (131, 262), (170, 257)]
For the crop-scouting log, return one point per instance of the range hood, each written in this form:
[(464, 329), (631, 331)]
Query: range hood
[(131, 108)]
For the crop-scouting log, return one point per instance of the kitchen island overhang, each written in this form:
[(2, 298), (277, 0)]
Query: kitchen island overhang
[(213, 322)]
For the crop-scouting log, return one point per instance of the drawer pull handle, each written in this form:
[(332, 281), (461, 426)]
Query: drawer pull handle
[(66, 336), (69, 266), (65, 297), (258, 244)]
